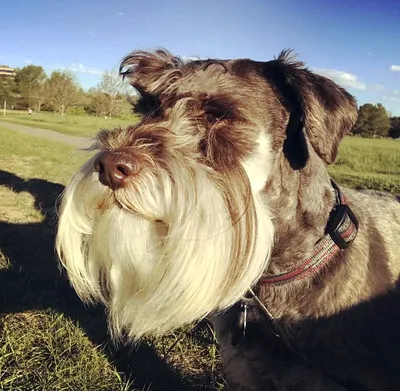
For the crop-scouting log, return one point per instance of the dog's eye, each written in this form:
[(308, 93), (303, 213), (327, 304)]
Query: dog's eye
[(148, 105), (212, 118), (213, 114)]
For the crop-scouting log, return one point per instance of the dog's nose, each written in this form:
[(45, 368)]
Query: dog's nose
[(115, 168)]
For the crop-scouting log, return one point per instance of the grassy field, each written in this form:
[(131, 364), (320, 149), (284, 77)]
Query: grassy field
[(368, 164), (69, 124), (48, 339)]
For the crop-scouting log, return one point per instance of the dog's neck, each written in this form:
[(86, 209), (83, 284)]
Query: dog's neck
[(299, 223)]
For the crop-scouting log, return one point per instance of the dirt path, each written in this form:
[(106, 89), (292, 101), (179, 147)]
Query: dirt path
[(76, 141)]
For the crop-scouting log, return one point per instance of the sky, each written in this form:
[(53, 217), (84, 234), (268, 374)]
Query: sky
[(356, 43)]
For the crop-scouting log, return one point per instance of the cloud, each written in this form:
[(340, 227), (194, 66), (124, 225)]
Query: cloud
[(120, 13), (80, 68), (378, 87), (395, 68), (343, 78), (391, 98), (192, 58), (27, 61), (396, 92)]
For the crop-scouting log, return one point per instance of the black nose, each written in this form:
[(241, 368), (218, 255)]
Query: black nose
[(115, 168)]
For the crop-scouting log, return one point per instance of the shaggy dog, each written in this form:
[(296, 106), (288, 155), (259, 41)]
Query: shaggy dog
[(218, 203)]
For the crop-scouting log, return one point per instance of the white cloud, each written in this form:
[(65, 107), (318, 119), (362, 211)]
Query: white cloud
[(343, 78), (27, 61), (192, 58), (397, 92), (80, 68), (395, 68), (378, 87), (120, 13), (391, 98)]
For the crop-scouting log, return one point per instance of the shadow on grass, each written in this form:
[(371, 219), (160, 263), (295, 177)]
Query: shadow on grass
[(33, 282)]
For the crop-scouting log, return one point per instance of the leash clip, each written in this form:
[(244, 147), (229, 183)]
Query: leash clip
[(243, 318), (240, 324)]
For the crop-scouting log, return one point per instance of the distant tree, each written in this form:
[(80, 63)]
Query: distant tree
[(62, 91), (362, 124), (394, 130), (380, 121), (97, 104), (372, 121), (8, 91), (109, 97), (30, 82)]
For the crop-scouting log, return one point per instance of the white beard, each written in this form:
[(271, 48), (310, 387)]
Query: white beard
[(155, 276)]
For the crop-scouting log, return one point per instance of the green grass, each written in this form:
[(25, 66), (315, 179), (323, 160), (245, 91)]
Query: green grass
[(69, 124), (368, 164), (48, 339), (46, 351)]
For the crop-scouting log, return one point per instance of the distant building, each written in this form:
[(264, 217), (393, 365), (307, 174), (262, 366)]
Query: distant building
[(7, 71)]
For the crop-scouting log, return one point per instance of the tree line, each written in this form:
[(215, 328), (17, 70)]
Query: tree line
[(376, 121), (32, 88)]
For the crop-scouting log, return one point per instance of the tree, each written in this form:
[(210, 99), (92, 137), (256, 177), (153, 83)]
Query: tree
[(109, 97), (30, 81), (380, 122), (97, 102), (62, 91), (362, 124), (372, 121), (394, 130), (8, 91)]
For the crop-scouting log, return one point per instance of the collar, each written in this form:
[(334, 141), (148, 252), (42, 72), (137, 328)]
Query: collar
[(340, 232)]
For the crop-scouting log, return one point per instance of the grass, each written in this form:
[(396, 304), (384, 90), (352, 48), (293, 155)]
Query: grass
[(75, 125), (368, 164), (46, 351), (48, 339)]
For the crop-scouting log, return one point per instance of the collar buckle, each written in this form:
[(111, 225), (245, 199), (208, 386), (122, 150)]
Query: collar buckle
[(342, 222)]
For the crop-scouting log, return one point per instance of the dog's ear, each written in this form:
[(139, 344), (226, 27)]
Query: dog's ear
[(326, 111), (150, 71)]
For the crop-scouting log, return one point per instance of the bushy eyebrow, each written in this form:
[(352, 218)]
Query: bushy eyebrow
[(220, 103)]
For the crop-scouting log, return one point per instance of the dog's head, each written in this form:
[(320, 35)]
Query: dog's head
[(169, 220)]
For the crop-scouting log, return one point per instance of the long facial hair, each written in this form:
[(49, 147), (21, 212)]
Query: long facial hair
[(178, 242)]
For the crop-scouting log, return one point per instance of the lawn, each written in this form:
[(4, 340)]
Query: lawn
[(48, 339), (368, 164), (76, 125)]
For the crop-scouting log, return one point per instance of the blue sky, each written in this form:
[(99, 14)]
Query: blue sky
[(356, 43)]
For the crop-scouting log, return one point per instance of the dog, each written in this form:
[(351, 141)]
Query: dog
[(218, 204)]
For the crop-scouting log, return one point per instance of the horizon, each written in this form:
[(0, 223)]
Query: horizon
[(350, 42)]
